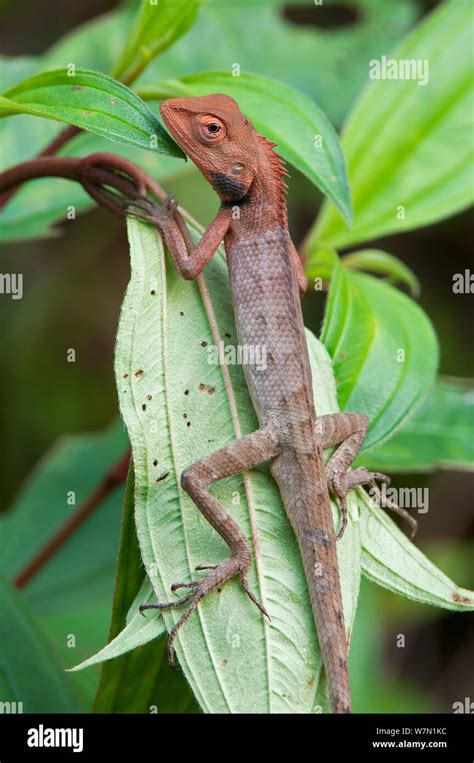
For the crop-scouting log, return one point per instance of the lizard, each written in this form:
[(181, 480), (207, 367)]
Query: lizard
[(266, 279)]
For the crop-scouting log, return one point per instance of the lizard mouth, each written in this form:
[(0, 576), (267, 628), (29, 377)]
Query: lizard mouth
[(168, 110)]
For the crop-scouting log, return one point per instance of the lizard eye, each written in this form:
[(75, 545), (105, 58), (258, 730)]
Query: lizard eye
[(211, 128)]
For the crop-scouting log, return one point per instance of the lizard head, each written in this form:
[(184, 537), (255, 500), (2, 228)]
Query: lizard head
[(219, 139)]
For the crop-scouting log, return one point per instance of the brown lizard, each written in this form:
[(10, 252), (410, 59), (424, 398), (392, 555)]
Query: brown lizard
[(266, 276)]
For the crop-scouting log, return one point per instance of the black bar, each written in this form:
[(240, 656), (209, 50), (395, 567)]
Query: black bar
[(208, 737)]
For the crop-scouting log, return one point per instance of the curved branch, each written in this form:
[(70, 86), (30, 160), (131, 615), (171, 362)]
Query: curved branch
[(97, 173)]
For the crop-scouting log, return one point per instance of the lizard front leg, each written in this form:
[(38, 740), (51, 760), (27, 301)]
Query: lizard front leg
[(189, 260), (348, 430), (244, 454)]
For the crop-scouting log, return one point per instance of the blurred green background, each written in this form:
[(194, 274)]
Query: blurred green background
[(73, 288)]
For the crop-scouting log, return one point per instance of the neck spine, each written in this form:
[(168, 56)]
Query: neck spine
[(271, 181)]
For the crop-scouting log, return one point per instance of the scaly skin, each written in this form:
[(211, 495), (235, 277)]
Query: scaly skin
[(265, 278)]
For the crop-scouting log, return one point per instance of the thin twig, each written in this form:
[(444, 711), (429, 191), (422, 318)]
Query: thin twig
[(52, 148), (116, 475)]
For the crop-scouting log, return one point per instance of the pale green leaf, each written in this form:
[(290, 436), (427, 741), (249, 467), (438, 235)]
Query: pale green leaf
[(232, 658), (390, 559), (138, 631)]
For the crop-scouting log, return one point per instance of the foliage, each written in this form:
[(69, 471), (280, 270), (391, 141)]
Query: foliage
[(378, 352)]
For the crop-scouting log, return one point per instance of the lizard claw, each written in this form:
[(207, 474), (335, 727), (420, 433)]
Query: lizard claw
[(220, 574), (170, 204), (340, 484), (176, 586)]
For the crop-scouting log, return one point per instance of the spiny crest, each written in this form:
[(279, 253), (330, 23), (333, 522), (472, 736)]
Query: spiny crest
[(277, 169)]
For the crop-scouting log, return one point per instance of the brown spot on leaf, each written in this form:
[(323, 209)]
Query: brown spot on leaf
[(144, 407), (207, 388), (125, 376), (203, 344), (155, 462), (148, 397), (162, 477), (181, 313), (460, 599), (139, 373)]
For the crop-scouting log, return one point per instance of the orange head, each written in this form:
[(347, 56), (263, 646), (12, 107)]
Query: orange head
[(219, 139)]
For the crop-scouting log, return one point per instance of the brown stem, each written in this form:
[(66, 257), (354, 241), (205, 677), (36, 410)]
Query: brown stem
[(60, 140), (98, 173), (59, 166), (114, 477), (52, 147)]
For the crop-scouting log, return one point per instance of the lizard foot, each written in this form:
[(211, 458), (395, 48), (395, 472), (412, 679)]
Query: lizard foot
[(340, 484), (149, 210), (220, 574)]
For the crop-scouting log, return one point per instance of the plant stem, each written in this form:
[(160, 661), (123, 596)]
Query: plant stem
[(116, 476), (98, 173)]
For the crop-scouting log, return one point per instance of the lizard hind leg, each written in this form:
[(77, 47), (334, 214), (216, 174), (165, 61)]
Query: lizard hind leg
[(348, 430), (239, 456)]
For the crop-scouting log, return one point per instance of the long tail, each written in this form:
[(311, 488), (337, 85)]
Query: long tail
[(306, 501)]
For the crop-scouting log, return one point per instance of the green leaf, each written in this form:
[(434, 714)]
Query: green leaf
[(383, 348), (129, 582), (393, 562), (408, 146), (138, 678), (71, 579), (72, 592), (438, 436), (219, 34), (92, 101), (41, 203), (302, 132), (29, 671), (156, 27), (383, 264), (138, 631), (233, 660), (288, 51)]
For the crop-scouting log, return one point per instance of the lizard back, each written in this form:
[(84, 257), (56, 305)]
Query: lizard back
[(268, 316)]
